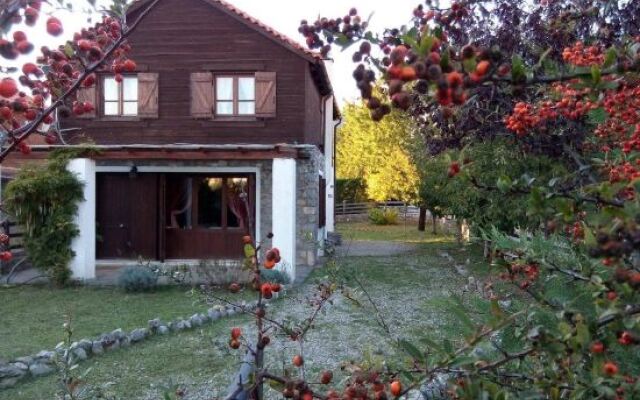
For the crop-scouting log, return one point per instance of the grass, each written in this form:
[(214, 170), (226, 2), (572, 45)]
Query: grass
[(32, 316), (403, 288), (397, 233)]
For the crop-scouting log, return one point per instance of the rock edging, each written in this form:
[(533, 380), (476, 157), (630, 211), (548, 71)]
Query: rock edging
[(44, 362)]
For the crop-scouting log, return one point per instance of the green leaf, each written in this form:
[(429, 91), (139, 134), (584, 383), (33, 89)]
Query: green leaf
[(425, 45), (596, 74), (597, 116), (412, 350), (277, 386), (68, 50), (504, 184), (470, 64), (249, 250), (518, 70), (610, 58), (433, 345)]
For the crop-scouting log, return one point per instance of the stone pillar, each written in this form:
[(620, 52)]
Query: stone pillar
[(284, 213), (83, 264)]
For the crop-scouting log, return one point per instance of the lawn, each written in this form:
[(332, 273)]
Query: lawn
[(405, 288), (32, 317), (402, 232)]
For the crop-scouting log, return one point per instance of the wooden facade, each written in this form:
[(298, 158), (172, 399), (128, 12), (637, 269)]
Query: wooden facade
[(186, 50), (185, 41)]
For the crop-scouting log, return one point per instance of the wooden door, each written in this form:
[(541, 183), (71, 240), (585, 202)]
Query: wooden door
[(127, 216)]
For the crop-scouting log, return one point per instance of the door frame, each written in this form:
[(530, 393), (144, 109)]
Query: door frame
[(195, 170)]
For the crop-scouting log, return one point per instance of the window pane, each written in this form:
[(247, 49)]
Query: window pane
[(246, 88), (237, 208), (111, 108), (110, 89), (224, 88), (130, 108), (210, 203), (247, 108), (224, 108), (130, 88)]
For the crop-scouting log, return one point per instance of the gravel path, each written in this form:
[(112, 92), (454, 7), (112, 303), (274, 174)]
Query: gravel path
[(371, 248), (403, 285)]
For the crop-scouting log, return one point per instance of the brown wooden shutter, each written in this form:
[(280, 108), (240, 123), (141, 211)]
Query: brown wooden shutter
[(266, 94), (202, 95), (148, 95), (88, 94)]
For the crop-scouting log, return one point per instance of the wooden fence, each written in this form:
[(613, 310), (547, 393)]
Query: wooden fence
[(15, 245), (347, 210)]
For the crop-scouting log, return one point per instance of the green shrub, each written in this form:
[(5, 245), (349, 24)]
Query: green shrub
[(44, 200), (383, 216), (274, 275), (137, 279)]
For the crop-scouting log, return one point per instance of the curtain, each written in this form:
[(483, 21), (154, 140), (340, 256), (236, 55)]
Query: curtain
[(239, 205)]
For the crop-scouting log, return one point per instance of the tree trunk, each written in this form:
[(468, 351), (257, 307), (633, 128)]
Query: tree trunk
[(422, 220), (435, 223)]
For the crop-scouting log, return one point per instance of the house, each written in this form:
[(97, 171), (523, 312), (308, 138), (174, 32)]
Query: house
[(226, 128)]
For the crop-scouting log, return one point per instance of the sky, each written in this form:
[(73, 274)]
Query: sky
[(282, 15)]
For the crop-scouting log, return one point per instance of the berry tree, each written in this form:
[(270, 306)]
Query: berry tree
[(558, 79), (47, 86)]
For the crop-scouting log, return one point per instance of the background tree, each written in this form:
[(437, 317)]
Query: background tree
[(378, 153)]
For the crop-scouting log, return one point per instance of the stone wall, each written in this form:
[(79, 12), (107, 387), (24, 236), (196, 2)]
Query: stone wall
[(308, 213)]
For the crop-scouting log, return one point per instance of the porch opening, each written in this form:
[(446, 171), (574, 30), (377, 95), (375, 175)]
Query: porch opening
[(173, 216)]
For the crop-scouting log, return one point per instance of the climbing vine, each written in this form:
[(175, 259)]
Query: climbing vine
[(44, 200)]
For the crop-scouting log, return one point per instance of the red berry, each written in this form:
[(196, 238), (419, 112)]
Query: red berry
[(84, 45), (298, 361), (597, 348), (267, 293), (129, 66), (50, 138), (236, 333), (454, 169), (24, 148), (19, 36), (610, 368), (8, 88), (6, 113), (54, 26), (30, 114)]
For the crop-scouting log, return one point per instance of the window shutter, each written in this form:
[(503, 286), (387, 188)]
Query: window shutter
[(266, 94), (148, 95), (90, 95), (202, 95)]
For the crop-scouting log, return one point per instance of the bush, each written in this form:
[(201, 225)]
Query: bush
[(383, 216), (137, 279), (274, 275), (44, 200)]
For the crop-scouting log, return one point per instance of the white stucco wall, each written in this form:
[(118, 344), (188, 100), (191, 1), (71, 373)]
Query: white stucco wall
[(83, 265), (284, 213), (329, 166)]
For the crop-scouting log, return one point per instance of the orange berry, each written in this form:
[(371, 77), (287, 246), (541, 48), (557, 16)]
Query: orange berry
[(396, 388), (483, 67), (236, 333), (298, 361)]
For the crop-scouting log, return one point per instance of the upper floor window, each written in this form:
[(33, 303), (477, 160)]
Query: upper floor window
[(235, 95), (120, 99)]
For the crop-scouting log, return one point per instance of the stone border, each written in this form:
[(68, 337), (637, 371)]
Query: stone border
[(43, 363)]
